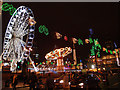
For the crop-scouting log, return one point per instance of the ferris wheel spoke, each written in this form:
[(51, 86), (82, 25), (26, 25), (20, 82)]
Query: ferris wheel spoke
[(22, 27), (10, 50), (13, 65), (14, 53), (20, 50), (21, 42)]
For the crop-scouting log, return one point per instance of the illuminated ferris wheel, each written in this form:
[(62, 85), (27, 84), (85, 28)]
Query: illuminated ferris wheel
[(19, 37)]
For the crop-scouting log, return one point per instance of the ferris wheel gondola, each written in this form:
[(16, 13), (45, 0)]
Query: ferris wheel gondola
[(19, 36)]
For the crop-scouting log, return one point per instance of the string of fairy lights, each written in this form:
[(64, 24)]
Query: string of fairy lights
[(96, 47)]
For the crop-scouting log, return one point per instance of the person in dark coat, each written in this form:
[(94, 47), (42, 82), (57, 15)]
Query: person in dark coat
[(50, 82), (15, 83), (33, 80)]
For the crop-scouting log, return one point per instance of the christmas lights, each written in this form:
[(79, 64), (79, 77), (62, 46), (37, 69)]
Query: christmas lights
[(65, 38), (92, 51), (86, 40), (42, 29), (80, 41), (90, 40), (7, 7)]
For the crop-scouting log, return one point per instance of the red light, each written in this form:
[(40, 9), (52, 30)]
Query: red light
[(65, 38)]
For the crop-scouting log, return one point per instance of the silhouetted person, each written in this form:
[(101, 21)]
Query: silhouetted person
[(50, 82), (15, 83), (66, 81), (33, 80)]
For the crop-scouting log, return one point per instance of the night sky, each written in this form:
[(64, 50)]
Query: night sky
[(73, 20)]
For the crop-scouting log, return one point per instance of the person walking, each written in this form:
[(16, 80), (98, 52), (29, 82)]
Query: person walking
[(33, 80), (50, 82), (15, 83), (66, 81)]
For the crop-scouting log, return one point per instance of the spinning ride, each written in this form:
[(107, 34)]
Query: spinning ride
[(58, 55)]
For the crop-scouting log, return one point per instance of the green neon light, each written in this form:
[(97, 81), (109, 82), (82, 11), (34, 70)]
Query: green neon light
[(46, 32), (71, 64), (95, 42), (111, 52), (0, 61), (28, 63), (51, 62), (92, 51), (42, 29), (90, 40), (80, 41), (118, 51), (18, 66), (40, 63), (98, 54), (99, 46), (7, 7), (106, 50)]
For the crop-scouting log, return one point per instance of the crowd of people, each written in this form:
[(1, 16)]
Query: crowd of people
[(69, 81)]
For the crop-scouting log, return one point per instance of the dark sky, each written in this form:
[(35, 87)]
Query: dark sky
[(73, 20)]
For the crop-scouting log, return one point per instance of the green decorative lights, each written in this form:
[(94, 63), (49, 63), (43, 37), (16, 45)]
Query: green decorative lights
[(80, 41), (96, 47), (92, 51), (42, 29), (18, 66), (90, 40), (118, 51), (40, 63), (106, 51), (51, 62), (0, 61), (111, 52), (7, 7)]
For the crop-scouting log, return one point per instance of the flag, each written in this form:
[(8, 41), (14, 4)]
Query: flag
[(80, 41), (86, 40), (74, 40), (58, 35)]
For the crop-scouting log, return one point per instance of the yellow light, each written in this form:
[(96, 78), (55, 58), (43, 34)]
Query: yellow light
[(103, 68), (104, 49), (74, 40), (87, 40), (32, 22)]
